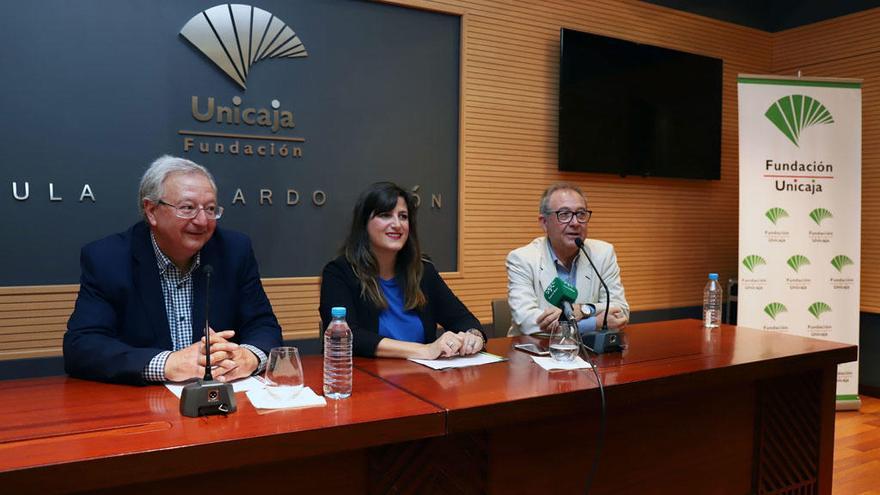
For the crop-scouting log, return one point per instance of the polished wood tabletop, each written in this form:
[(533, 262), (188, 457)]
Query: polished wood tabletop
[(54, 422), (59, 435), (658, 355)]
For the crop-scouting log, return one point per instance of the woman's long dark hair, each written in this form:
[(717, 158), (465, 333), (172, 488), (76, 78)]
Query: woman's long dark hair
[(379, 198)]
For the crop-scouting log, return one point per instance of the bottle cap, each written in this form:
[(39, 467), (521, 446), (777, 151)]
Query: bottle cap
[(337, 312), (712, 276)]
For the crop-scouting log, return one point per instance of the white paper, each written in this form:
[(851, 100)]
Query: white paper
[(240, 385), (548, 363), (459, 361), (262, 399)]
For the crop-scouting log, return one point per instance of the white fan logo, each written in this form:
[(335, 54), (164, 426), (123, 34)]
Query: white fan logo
[(236, 36)]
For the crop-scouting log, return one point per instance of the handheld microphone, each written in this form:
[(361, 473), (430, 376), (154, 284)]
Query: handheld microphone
[(604, 340), (562, 294), (207, 396)]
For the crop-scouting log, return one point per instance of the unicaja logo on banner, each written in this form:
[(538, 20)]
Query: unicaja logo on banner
[(752, 261), (774, 308), (753, 281), (793, 113), (800, 209), (777, 234)]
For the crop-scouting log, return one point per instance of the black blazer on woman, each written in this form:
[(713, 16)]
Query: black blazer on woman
[(340, 287)]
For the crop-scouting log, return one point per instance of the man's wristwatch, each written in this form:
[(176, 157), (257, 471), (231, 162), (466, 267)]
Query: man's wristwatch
[(588, 310)]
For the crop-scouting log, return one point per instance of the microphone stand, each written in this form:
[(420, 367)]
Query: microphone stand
[(599, 341), (604, 340), (207, 396)]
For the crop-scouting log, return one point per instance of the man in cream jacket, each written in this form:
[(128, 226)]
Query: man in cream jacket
[(533, 267)]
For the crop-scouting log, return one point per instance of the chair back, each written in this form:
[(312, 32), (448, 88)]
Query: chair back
[(500, 317)]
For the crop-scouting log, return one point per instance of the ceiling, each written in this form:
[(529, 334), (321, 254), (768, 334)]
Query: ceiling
[(770, 15)]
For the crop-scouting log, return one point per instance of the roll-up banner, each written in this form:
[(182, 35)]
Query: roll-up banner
[(800, 161)]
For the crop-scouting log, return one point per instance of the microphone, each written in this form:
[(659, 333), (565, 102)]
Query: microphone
[(604, 340), (207, 270), (562, 294), (207, 396)]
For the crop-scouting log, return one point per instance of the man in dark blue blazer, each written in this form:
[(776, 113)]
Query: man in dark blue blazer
[(140, 313)]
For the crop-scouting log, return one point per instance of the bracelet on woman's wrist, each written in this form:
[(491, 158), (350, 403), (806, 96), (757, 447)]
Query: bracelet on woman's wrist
[(479, 334)]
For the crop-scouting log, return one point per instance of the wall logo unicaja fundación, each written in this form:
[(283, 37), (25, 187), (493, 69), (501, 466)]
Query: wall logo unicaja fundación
[(793, 113), (236, 36)]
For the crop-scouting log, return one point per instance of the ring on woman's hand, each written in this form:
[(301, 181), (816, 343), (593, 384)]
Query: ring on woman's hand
[(449, 343)]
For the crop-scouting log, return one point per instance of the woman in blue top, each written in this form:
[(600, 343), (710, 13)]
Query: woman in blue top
[(394, 297)]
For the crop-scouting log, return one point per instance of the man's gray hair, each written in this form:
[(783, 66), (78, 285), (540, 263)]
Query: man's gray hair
[(153, 182), (544, 208)]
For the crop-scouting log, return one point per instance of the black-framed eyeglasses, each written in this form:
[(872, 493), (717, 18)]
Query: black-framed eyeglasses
[(565, 215), (189, 211)]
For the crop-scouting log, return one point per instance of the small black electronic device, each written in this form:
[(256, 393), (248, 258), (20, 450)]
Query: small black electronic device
[(532, 349), (207, 397)]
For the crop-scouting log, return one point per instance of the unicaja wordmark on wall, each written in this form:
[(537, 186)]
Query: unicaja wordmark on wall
[(245, 124)]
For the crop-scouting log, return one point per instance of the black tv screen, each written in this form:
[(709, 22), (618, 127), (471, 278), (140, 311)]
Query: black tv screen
[(633, 109)]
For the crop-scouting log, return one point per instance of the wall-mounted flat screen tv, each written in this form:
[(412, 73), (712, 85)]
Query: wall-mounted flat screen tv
[(632, 109)]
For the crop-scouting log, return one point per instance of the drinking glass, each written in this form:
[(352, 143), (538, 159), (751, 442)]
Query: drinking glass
[(564, 342), (284, 374)]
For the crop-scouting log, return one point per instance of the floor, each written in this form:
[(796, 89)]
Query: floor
[(857, 450)]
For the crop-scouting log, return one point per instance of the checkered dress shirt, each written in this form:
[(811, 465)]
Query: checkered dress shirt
[(177, 293)]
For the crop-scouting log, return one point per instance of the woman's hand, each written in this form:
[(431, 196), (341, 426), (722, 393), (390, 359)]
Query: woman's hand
[(471, 342), (447, 345)]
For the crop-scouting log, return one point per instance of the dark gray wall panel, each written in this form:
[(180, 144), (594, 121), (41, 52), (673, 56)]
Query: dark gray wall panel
[(93, 91)]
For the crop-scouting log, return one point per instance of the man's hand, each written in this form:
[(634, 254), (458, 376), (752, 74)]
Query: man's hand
[(549, 319), (616, 319), (229, 361), (183, 365)]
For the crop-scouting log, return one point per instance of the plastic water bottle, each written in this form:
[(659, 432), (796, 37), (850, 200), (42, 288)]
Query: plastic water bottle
[(337, 356), (712, 299)]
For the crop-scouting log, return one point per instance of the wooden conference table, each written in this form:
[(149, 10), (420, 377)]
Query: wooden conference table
[(732, 410)]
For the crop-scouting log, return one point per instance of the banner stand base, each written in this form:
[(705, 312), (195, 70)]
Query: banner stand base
[(848, 403)]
